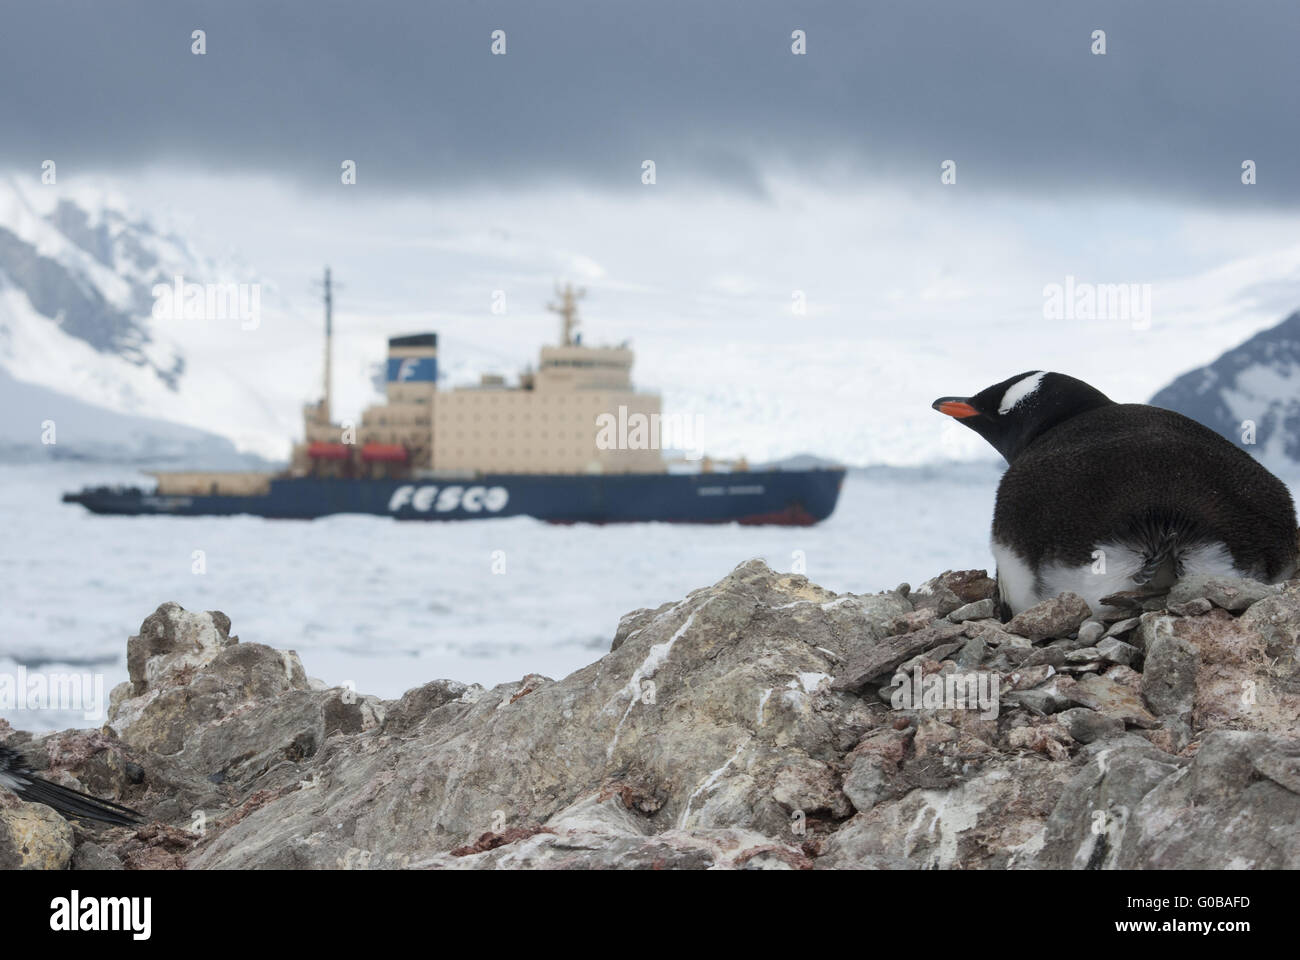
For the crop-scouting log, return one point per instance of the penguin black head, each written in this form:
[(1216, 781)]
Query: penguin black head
[(1012, 414)]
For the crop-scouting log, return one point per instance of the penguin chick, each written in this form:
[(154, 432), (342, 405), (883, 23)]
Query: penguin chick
[(1101, 497)]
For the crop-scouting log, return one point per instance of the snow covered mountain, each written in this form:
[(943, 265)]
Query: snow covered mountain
[(1250, 394), (88, 319), (41, 424)]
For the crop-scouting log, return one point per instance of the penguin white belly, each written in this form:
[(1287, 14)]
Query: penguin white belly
[(1017, 582), (1111, 572)]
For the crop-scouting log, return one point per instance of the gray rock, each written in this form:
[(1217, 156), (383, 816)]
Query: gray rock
[(1053, 654), (1192, 608), (808, 785), (1040, 701), (1027, 677), (1097, 809), (888, 654), (994, 636), (866, 783), (631, 623), (1056, 617), (953, 589), (912, 620), (1087, 725), (33, 837), (1147, 626), (979, 610), (1117, 651), (972, 653), (91, 856), (598, 831), (1090, 631), (1007, 659), (1112, 699), (1230, 593), (418, 704), (992, 819), (933, 654), (1233, 807), (1121, 626), (876, 767), (1169, 672), (1276, 621)]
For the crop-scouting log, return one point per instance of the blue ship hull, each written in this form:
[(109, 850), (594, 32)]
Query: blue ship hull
[(792, 497)]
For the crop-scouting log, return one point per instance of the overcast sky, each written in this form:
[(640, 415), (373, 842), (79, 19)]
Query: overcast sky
[(775, 172), (708, 88)]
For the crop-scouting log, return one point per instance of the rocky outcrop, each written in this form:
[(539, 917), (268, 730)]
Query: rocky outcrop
[(762, 722), (33, 837)]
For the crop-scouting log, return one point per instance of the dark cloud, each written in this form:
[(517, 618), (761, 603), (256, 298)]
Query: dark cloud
[(709, 90)]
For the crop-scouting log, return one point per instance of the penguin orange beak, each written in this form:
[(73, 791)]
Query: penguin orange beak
[(958, 407)]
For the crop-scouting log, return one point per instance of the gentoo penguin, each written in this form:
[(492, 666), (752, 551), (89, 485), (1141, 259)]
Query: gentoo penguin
[(1101, 497), (16, 776)]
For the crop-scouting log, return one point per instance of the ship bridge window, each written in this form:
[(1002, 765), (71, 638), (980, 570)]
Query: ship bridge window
[(608, 364)]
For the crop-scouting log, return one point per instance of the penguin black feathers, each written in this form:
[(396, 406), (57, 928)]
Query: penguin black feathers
[(18, 777), (1101, 497)]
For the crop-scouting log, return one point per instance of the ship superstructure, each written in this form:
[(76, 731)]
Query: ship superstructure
[(545, 424)]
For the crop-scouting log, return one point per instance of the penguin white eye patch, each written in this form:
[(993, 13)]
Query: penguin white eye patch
[(1019, 391)]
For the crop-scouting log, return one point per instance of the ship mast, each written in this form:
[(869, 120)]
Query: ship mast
[(329, 337), (567, 308)]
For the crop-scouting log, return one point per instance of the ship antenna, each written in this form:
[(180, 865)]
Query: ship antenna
[(325, 405), (329, 339), (567, 308)]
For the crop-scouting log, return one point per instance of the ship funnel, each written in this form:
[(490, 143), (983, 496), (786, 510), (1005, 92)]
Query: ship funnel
[(413, 359)]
